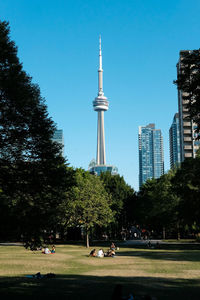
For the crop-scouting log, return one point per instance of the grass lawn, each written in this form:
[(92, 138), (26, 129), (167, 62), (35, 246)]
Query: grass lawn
[(172, 272)]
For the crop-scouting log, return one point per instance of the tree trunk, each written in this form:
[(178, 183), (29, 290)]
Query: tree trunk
[(164, 233), (87, 239), (178, 232)]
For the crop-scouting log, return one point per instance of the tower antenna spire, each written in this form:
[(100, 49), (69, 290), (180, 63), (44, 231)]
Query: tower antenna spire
[(100, 54), (100, 70)]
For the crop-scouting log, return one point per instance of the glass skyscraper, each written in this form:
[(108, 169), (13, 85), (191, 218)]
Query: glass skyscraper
[(174, 142), (59, 138), (151, 161)]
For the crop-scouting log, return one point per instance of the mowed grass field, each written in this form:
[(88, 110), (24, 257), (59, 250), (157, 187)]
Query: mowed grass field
[(172, 272)]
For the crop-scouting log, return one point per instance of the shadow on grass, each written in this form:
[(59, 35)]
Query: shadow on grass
[(167, 246), (192, 256), (188, 252), (92, 287)]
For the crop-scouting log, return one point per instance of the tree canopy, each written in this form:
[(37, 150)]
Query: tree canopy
[(157, 204), (88, 203), (33, 174), (186, 184), (122, 201)]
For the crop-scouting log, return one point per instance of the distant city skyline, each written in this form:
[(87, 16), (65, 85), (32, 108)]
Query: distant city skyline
[(57, 43)]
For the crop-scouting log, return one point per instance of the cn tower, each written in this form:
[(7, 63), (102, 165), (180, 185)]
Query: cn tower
[(100, 104)]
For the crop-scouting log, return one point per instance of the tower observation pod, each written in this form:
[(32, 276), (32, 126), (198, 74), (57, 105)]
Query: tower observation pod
[(100, 104)]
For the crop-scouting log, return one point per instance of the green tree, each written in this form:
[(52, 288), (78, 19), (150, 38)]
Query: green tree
[(186, 185), (123, 201), (88, 203), (33, 174), (157, 205)]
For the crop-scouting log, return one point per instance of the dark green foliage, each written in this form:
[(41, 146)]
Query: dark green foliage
[(123, 201), (88, 203), (186, 185), (157, 204), (33, 174), (172, 202), (25, 128)]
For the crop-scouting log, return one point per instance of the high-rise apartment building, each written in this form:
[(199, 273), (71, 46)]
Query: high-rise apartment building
[(151, 159), (188, 144), (59, 138), (174, 142)]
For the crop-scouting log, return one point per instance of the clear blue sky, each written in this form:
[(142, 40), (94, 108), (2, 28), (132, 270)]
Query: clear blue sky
[(141, 39)]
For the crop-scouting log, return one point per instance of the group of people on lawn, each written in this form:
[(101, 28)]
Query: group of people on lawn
[(47, 251), (109, 253)]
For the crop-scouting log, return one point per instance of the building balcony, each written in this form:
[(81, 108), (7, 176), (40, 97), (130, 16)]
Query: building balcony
[(188, 147), (187, 139), (185, 101), (186, 116), (186, 155), (185, 94), (186, 124), (187, 131)]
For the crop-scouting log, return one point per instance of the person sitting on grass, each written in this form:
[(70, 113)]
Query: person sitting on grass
[(47, 251), (53, 250), (100, 253), (112, 247), (93, 253), (111, 253)]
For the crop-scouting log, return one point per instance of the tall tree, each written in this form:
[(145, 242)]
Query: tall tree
[(33, 174), (157, 205), (88, 203), (123, 200), (186, 185)]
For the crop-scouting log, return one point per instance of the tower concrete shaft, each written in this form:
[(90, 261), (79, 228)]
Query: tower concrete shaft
[(101, 152), (100, 104)]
